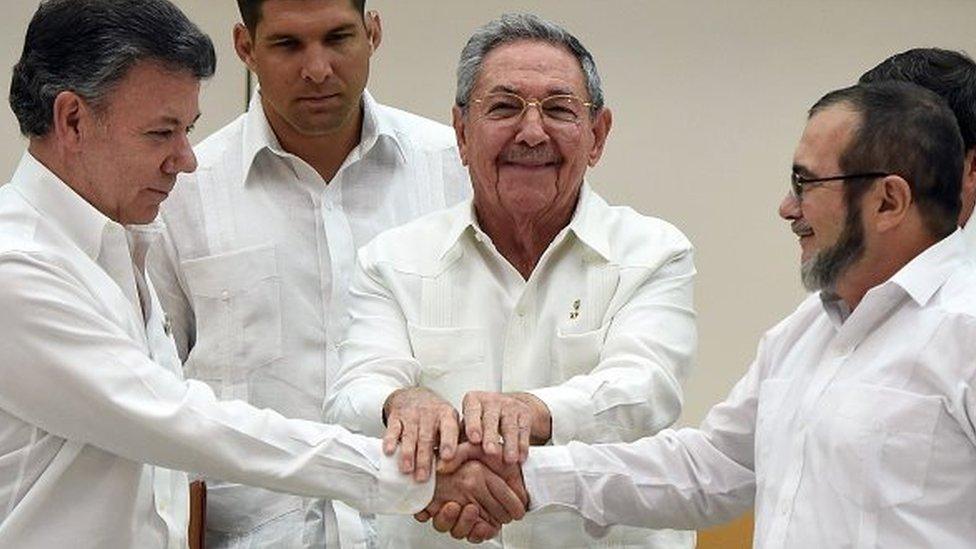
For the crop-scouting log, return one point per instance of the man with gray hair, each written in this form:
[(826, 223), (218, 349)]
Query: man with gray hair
[(94, 414), (535, 313)]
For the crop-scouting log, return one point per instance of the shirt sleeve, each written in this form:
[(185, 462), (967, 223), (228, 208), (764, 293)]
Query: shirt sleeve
[(163, 266), (635, 388), (74, 373), (691, 478), (376, 357)]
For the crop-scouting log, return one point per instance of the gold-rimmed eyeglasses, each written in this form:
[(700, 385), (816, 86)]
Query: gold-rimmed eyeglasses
[(557, 109)]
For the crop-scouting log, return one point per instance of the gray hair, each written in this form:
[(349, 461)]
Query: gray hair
[(88, 46), (513, 27)]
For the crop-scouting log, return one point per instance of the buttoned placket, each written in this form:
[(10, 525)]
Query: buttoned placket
[(845, 341)]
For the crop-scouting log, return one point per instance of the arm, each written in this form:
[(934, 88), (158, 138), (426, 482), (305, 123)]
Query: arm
[(634, 390), (377, 391), (689, 478), (73, 373)]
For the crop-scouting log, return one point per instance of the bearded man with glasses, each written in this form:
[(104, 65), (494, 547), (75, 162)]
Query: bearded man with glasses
[(533, 314)]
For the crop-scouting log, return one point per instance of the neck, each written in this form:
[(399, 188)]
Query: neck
[(326, 152), (522, 238), (879, 263)]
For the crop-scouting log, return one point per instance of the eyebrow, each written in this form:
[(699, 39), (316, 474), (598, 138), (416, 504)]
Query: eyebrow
[(803, 171), (345, 27), (549, 92), (173, 121)]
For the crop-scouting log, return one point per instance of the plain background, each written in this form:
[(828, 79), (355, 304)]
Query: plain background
[(709, 99)]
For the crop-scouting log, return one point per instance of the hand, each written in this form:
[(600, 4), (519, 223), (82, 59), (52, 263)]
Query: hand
[(518, 419), (418, 419), (488, 502)]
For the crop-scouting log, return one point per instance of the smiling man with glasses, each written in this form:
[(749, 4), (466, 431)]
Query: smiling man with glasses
[(855, 426), (536, 313)]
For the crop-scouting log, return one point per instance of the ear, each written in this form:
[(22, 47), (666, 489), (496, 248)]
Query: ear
[(968, 193), (601, 129), (890, 202), (71, 120), (458, 121), (374, 30), (244, 45)]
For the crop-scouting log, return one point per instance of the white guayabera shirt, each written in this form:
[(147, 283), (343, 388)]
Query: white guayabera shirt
[(847, 431), (602, 331), (93, 404), (254, 274)]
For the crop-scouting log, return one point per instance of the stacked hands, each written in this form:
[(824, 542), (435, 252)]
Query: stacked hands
[(479, 478)]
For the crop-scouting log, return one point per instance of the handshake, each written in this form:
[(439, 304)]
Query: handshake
[(479, 483)]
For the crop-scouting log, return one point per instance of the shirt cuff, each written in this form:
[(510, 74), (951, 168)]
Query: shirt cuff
[(549, 477), (398, 493), (571, 414)]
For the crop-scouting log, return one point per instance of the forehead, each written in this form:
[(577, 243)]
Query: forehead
[(277, 15), (826, 136), (531, 68), (150, 93)]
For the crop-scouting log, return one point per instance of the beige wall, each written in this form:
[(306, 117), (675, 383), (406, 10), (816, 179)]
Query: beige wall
[(708, 97)]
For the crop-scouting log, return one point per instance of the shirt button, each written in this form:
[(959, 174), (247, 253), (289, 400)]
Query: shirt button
[(225, 295)]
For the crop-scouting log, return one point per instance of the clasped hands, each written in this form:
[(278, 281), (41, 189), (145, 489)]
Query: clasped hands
[(478, 454)]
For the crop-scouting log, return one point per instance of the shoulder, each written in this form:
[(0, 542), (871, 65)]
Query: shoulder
[(636, 238), (421, 134), (416, 243), (20, 223)]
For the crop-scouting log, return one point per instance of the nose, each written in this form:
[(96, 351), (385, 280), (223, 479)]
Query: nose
[(531, 130), (316, 65), (182, 160), (789, 207)]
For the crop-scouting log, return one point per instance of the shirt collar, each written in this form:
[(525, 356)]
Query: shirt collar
[(929, 270), (61, 205), (588, 223), (258, 135)]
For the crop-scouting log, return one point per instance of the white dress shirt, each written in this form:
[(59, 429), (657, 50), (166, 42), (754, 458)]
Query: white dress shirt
[(92, 399), (254, 274), (847, 431), (602, 331)]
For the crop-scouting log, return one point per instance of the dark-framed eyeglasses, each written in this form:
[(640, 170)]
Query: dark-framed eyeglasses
[(798, 183), (561, 109)]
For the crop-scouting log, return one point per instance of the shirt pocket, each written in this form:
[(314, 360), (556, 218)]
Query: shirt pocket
[(577, 353), (881, 440), (237, 303), (452, 360)]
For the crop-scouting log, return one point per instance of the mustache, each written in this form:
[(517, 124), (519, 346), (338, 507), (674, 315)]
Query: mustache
[(520, 154), (800, 227)]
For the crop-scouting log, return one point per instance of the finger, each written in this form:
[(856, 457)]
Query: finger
[(392, 435), (524, 437), (505, 496), (482, 495), (489, 427), (472, 417), (462, 454), (425, 447), (483, 531), (510, 432), (422, 516), (469, 517), (448, 515), (408, 444), (449, 434)]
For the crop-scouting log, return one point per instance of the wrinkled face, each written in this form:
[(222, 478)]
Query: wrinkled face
[(135, 143), (529, 165), (311, 58), (831, 237)]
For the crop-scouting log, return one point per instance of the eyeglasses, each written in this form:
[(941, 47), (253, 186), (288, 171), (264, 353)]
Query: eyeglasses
[(798, 183), (556, 109)]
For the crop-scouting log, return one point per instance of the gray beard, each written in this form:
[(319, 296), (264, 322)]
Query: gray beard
[(821, 271)]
